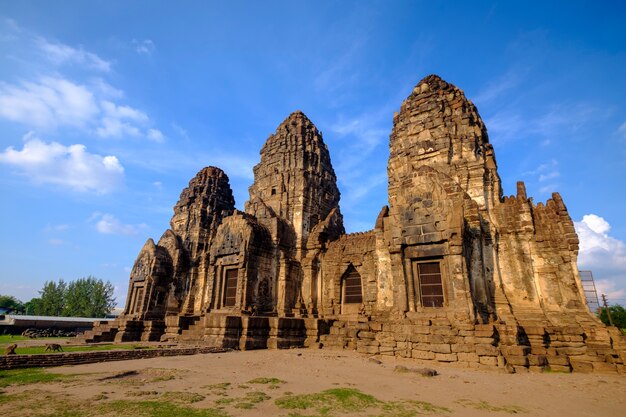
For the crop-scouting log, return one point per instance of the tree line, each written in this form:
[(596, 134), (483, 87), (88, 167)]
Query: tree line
[(84, 297)]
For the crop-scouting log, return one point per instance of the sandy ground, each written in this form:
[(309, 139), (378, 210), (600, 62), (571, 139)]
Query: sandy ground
[(464, 392)]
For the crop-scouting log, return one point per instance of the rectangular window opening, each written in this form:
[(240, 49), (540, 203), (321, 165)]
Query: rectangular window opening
[(431, 287), (230, 287)]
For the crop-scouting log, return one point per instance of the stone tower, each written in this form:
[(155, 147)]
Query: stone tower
[(295, 180), (439, 128)]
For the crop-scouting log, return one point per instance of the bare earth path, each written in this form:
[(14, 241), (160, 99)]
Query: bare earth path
[(249, 383)]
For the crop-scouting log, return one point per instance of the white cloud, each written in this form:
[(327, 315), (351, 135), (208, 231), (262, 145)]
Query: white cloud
[(603, 254), (506, 82), (52, 102), (145, 47), (109, 225), (124, 112), (68, 166), (48, 103), (56, 102), (622, 130), (56, 242), (504, 126), (547, 175), (105, 89), (59, 54), (180, 131), (155, 135)]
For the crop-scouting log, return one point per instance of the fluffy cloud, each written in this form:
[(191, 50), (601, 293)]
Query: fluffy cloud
[(56, 102), (109, 225), (48, 103), (59, 54), (53, 102), (604, 255), (68, 166)]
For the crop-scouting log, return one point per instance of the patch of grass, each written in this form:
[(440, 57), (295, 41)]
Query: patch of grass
[(141, 393), (38, 403), (411, 409), (38, 350), (163, 378), (182, 397), (243, 386), (7, 339), (336, 399), (155, 409), (218, 386), (8, 398), (484, 405), (27, 376), (224, 401), (262, 380), (340, 401), (251, 399)]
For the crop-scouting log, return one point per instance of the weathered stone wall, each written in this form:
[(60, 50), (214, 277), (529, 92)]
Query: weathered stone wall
[(513, 349), (81, 358), (358, 251)]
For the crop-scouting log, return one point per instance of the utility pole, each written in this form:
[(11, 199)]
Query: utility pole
[(606, 308)]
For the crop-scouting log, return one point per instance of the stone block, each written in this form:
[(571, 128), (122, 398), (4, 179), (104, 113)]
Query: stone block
[(446, 357), (468, 357), (366, 335), (560, 368), (488, 360), (462, 347), (604, 367), (515, 350), (422, 354), (443, 330), (487, 350), (581, 366), (517, 360), (557, 360), (537, 360)]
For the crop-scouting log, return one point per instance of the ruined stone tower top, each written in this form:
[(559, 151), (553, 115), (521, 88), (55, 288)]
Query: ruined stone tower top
[(295, 179), (201, 206), (438, 126)]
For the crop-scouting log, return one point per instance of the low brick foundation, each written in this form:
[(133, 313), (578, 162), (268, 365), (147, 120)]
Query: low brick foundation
[(514, 348), (80, 358)]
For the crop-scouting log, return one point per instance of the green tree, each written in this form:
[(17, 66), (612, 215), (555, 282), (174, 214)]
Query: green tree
[(12, 304), (89, 297), (618, 314), (52, 298), (33, 307)]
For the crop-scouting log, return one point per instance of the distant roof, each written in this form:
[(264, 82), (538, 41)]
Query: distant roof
[(12, 318)]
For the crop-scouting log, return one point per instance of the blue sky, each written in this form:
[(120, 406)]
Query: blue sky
[(109, 108)]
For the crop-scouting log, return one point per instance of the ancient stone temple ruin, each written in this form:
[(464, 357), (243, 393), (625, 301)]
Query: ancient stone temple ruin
[(453, 270)]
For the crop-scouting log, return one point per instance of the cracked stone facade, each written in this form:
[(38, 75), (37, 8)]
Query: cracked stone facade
[(453, 271)]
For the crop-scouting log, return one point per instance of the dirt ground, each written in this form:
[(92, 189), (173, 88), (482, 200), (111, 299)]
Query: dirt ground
[(223, 381)]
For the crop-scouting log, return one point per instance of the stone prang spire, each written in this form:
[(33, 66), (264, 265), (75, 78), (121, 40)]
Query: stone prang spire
[(295, 179)]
